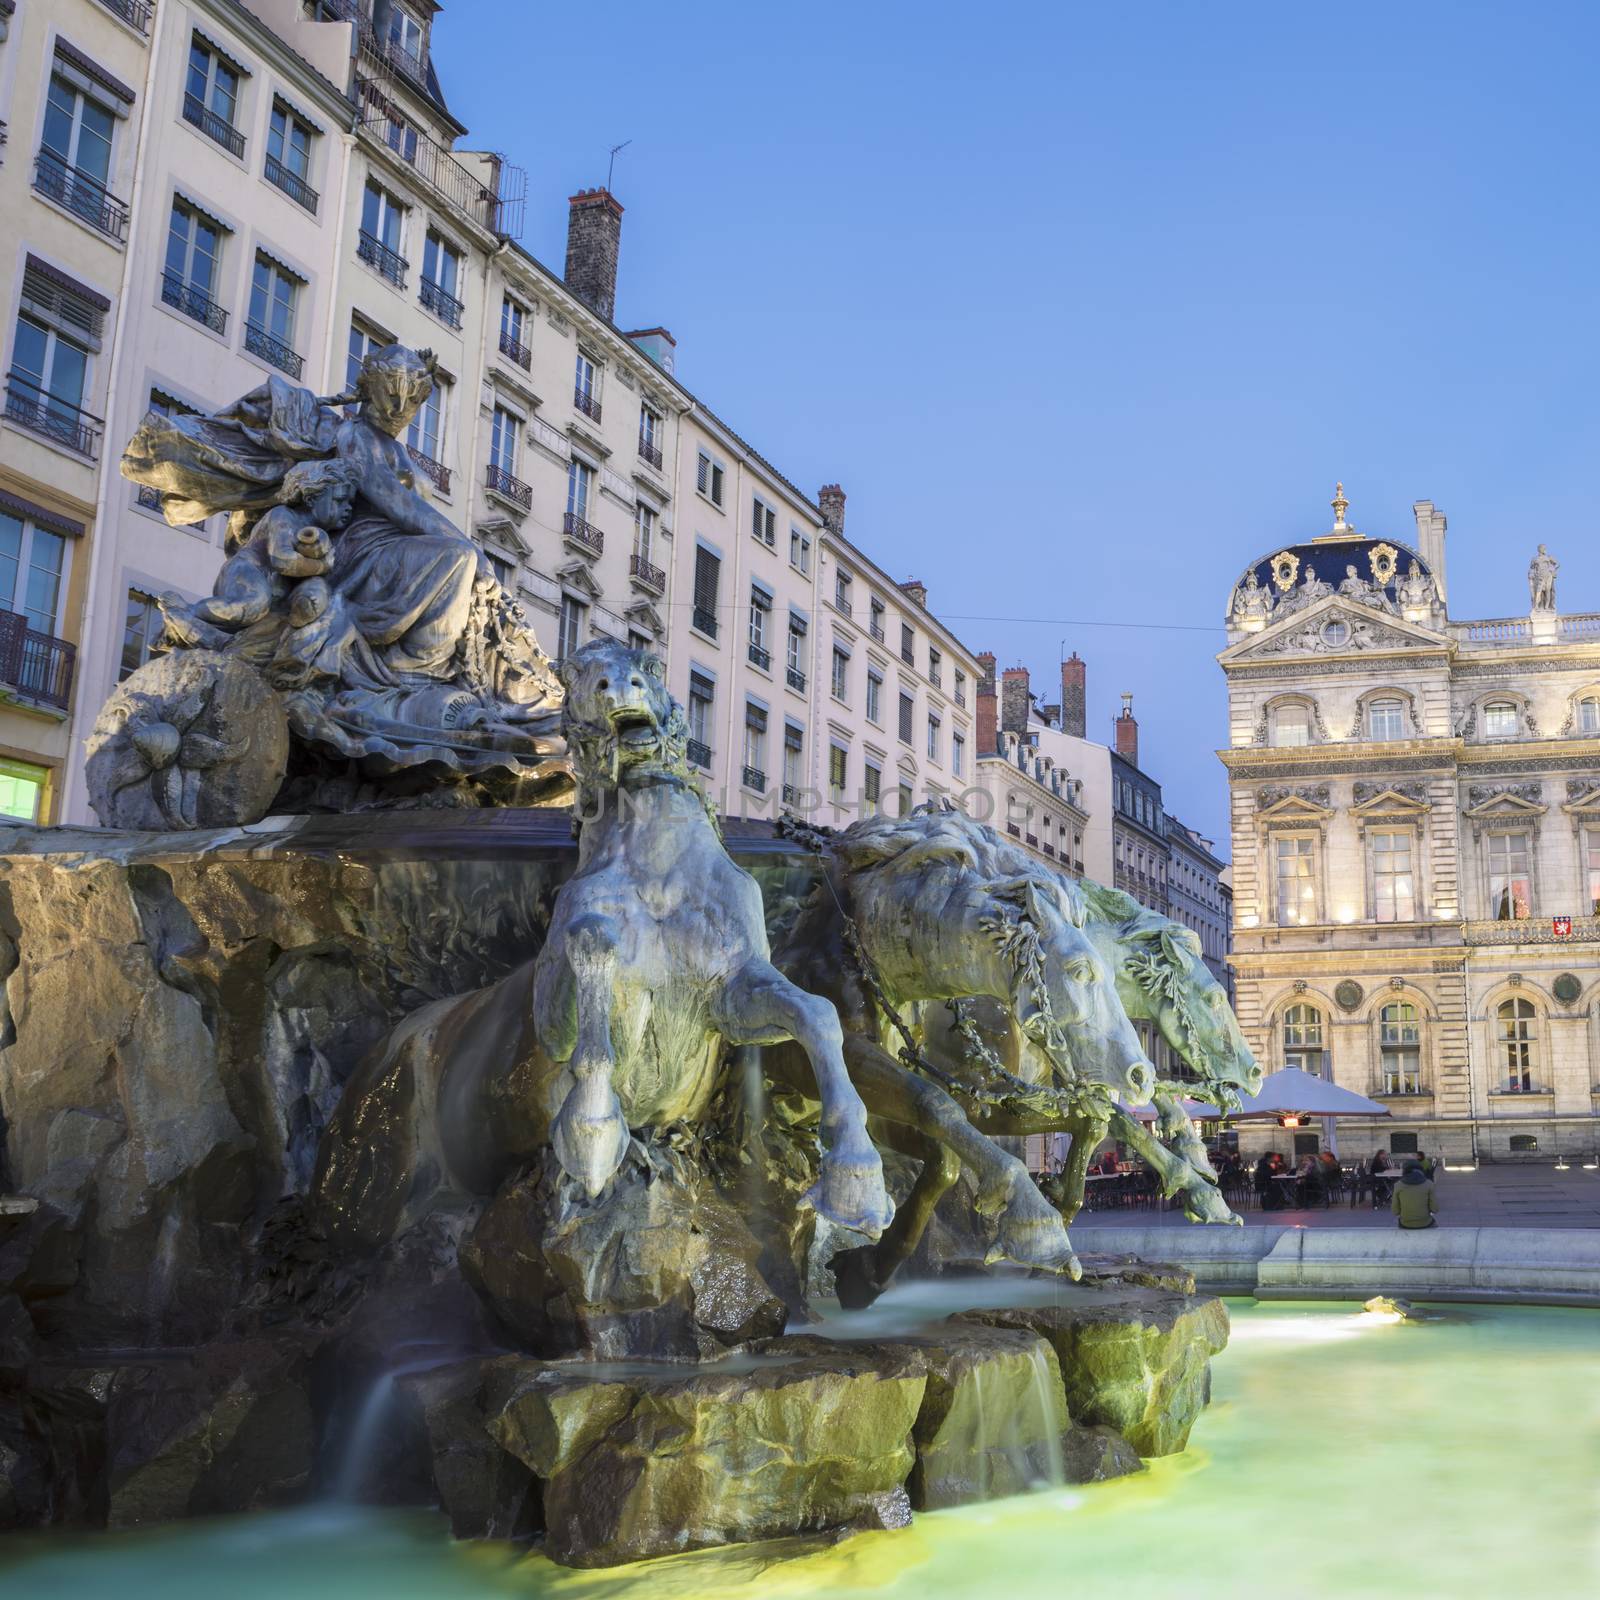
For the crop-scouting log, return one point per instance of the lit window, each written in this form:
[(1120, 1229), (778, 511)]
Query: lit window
[(1518, 1040), (1302, 1039), (1297, 887), (1499, 720), (1510, 884), (22, 790), (1400, 1046), (1591, 861), (1291, 725), (1394, 897)]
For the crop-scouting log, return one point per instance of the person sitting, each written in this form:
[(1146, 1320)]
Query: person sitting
[(1332, 1173), (1266, 1189), (1382, 1175), (1308, 1181), (1414, 1200)]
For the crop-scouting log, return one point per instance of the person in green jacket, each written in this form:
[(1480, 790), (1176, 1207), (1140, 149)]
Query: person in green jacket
[(1414, 1200)]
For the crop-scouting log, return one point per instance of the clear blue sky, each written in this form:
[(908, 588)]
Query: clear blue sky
[(1087, 305)]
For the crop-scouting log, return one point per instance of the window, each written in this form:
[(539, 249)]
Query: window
[(404, 38), (795, 657), (1518, 1039), (838, 770), (425, 436), (961, 687), (1524, 1144), (875, 619), (1297, 886), (958, 754), (871, 784), (1302, 1039), (1394, 893), (34, 562), (586, 386), (505, 573), (908, 644), (1587, 714), (755, 746), (1400, 1048), (363, 342), (935, 664), (907, 712), (708, 478), (1591, 863), (650, 435), (580, 480), (793, 760), (22, 790), (799, 551), (75, 157), (382, 227), (513, 325), (1500, 720), (571, 629), (211, 97), (839, 680), (1291, 725), (289, 155), (399, 135), (644, 531), (1510, 884), (269, 331), (503, 442), (49, 373), (764, 522), (707, 573), (907, 800), (841, 591), (701, 694), (440, 288), (933, 737), (1386, 720), (760, 628), (875, 697), (194, 254)]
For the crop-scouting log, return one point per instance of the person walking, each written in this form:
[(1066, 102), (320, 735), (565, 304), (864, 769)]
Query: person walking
[(1415, 1200)]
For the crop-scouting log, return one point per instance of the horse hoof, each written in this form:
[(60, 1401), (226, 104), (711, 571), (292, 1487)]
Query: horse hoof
[(850, 1194)]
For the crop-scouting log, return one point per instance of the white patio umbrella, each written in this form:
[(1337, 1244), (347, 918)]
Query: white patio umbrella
[(1292, 1092), (1197, 1111)]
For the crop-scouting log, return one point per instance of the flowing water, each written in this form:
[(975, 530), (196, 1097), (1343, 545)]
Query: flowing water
[(1343, 1456)]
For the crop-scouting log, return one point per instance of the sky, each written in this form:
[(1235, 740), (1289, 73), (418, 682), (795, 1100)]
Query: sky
[(1088, 306)]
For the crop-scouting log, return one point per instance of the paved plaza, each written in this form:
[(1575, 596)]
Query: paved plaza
[(1497, 1196)]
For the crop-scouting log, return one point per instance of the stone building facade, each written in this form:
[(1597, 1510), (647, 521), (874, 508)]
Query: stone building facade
[(1416, 844)]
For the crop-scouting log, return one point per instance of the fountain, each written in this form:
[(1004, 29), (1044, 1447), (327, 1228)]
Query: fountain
[(414, 1093)]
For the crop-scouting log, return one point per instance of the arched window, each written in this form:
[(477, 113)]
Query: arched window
[(1386, 719), (1500, 720), (1303, 1040), (1291, 725), (1400, 1047), (1587, 714), (1518, 1043)]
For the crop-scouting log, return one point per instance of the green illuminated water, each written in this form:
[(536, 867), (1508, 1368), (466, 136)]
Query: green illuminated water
[(1342, 1457)]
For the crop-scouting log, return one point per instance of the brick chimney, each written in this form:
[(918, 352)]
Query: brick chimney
[(830, 497), (1015, 700), (1074, 685), (594, 236), (918, 591), (987, 706), (1128, 732)]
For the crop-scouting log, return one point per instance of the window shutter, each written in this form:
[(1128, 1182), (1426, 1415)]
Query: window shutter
[(702, 475), (755, 717), (700, 688), (54, 298), (707, 569), (792, 737)]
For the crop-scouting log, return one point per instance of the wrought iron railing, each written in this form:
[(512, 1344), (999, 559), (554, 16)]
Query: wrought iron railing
[(455, 183), (80, 194), (136, 13), (705, 621), (193, 302), (149, 498), (876, 630), (501, 481), (755, 778), (429, 468), (516, 350), (582, 532), (273, 351), (652, 577), (386, 262), (796, 679), (586, 403), (212, 125), (292, 184), (52, 418), (760, 657), (650, 453), (36, 665), (440, 302), (698, 753), (841, 605), (791, 794)]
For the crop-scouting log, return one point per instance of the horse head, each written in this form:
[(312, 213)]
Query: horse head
[(620, 722)]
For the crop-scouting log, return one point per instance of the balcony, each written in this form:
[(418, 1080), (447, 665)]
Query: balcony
[(961, 697), (35, 665), (498, 481), (516, 350), (649, 453), (440, 302), (273, 351), (582, 533), (699, 754), (295, 187), (791, 794), (705, 622), (83, 196), (136, 13), (385, 262), (51, 418), (587, 404), (647, 576), (193, 302), (759, 657), (876, 630), (908, 655), (149, 498), (934, 678), (796, 679), (213, 126), (841, 604), (754, 778), (435, 471)]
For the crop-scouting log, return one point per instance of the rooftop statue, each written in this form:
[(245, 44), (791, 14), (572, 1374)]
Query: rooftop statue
[(1251, 602), (1542, 580), (1416, 590), (379, 657)]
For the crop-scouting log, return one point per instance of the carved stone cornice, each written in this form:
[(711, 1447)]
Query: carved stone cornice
[(1367, 790), (1485, 794), (1318, 794), (1343, 667)]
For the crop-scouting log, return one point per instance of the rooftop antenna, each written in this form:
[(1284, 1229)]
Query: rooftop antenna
[(611, 166)]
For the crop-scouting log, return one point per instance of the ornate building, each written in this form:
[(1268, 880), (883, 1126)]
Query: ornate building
[(1416, 844)]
